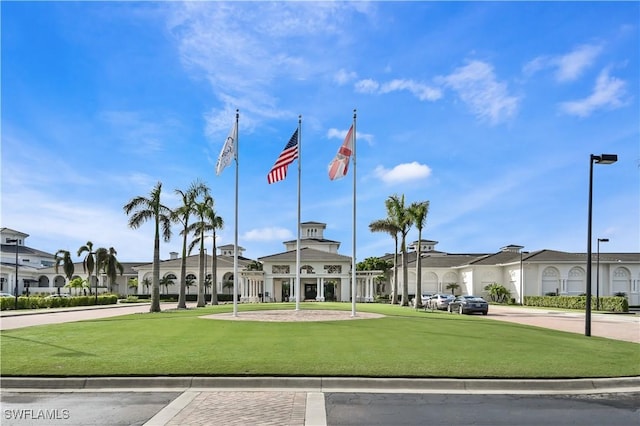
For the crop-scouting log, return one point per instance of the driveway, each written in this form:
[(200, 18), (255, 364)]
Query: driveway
[(613, 326)]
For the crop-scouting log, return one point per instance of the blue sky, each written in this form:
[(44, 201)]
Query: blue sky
[(489, 111)]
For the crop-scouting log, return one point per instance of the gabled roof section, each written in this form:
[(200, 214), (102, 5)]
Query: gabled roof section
[(497, 258), (11, 248), (193, 262), (306, 255), (444, 260), (317, 240)]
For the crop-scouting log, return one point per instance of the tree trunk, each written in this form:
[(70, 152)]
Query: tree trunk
[(155, 285), (419, 272), (201, 301), (182, 299)]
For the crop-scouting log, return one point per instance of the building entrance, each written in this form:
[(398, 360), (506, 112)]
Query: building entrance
[(310, 291)]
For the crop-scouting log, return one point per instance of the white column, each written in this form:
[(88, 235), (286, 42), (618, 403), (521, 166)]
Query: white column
[(321, 290)]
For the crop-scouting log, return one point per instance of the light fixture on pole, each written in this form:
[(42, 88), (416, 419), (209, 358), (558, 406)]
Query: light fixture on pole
[(600, 240), (15, 240), (598, 159)]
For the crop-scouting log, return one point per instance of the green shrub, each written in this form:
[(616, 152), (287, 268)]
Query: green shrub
[(608, 303)]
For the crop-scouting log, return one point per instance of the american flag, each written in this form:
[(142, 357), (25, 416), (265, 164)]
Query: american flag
[(279, 170)]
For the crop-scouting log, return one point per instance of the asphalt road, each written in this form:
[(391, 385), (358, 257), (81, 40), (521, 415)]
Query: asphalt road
[(374, 409), (342, 409)]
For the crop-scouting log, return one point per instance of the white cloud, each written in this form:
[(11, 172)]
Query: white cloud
[(341, 134), (419, 90), (607, 93), (268, 234), (567, 67), (343, 77), (477, 86), (366, 86), (243, 49), (403, 172)]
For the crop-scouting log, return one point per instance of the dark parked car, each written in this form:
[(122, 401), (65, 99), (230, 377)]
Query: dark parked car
[(468, 305)]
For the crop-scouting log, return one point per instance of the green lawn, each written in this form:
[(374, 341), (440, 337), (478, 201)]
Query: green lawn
[(406, 343)]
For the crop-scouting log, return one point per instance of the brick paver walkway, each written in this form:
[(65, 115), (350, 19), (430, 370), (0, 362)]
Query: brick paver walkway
[(234, 408)]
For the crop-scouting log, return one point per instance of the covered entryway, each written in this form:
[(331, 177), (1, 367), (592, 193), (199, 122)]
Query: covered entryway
[(310, 291)]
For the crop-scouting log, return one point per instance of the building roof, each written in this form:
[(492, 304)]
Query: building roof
[(306, 255), (11, 248), (193, 261), (315, 240)]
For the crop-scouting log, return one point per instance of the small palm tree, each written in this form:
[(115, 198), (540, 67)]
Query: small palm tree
[(89, 262), (146, 283), (166, 282), (76, 283), (110, 266), (143, 209), (63, 257), (132, 283), (189, 282), (453, 287)]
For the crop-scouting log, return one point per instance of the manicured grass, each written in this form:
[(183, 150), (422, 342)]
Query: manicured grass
[(406, 343)]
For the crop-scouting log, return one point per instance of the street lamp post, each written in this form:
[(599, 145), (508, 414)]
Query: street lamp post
[(15, 240), (598, 159), (600, 240)]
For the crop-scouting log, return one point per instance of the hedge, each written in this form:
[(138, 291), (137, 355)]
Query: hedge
[(37, 302), (607, 303)]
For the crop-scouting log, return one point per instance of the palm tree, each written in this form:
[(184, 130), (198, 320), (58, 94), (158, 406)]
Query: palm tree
[(151, 208), (453, 287), (386, 225), (400, 216), (76, 283), (166, 282), (216, 222), (63, 257), (189, 282), (418, 212), (110, 265), (89, 262), (146, 283), (182, 215), (198, 229), (132, 283)]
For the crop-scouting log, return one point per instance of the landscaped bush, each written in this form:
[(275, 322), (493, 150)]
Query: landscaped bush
[(608, 303), (37, 302)]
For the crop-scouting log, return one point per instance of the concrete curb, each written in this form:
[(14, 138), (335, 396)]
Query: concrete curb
[(329, 384)]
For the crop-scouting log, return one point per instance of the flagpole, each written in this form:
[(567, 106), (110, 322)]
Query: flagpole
[(235, 237), (298, 240), (353, 258)]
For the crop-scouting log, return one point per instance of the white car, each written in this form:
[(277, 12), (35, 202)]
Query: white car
[(6, 295)]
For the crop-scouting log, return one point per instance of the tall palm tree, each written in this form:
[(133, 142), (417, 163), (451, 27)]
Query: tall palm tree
[(198, 230), (386, 225), (63, 257), (216, 222), (151, 208), (89, 262), (400, 216), (110, 265), (418, 212), (182, 215)]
